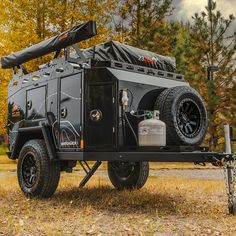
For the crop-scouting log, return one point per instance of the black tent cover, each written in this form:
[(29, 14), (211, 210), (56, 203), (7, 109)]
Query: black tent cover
[(74, 35), (113, 50)]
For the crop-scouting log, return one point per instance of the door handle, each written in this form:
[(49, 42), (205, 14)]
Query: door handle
[(63, 112)]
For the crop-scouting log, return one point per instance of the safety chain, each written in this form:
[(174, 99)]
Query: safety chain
[(229, 173)]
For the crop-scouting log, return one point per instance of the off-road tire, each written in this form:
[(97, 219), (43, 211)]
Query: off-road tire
[(169, 103), (137, 174), (47, 172)]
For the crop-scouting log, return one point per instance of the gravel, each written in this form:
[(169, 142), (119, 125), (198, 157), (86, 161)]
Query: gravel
[(204, 174)]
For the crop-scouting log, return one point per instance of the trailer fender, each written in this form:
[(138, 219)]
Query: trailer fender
[(25, 134), (47, 135)]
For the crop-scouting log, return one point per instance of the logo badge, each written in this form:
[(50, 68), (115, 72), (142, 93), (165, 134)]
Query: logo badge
[(95, 115)]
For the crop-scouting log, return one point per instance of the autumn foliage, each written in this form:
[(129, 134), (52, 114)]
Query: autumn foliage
[(207, 41)]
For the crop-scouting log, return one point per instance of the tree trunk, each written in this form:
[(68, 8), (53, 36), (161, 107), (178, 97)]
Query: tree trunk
[(63, 19), (38, 20), (43, 20), (138, 23), (213, 141)]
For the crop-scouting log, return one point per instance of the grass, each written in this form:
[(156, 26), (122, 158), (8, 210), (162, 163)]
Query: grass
[(165, 206), (3, 149)]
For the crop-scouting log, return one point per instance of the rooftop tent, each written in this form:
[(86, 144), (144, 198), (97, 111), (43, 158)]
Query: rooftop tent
[(113, 50), (74, 35)]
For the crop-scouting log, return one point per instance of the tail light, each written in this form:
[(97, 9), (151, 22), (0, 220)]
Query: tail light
[(81, 143)]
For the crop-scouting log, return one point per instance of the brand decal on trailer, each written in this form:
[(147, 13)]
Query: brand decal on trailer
[(71, 143), (63, 36), (148, 59)]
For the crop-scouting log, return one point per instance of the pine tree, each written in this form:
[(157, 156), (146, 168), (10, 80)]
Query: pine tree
[(214, 44), (144, 24), (181, 47)]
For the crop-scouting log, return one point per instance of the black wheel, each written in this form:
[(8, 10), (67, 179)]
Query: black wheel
[(128, 175), (185, 115), (37, 175)]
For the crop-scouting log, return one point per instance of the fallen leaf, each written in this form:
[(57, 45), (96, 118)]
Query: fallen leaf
[(21, 222)]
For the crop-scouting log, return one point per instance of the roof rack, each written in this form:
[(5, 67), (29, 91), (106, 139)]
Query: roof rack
[(138, 69)]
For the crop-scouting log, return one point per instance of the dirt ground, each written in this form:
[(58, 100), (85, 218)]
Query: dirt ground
[(176, 201)]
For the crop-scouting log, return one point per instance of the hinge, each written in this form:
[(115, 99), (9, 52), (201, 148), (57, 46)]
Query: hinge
[(113, 129), (113, 100)]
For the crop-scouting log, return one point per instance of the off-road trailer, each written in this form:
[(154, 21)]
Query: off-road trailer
[(87, 107)]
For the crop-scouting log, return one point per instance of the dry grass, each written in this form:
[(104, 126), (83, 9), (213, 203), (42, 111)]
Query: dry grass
[(5, 160), (165, 206)]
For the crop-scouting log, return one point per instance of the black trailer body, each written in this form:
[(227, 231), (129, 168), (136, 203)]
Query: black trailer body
[(88, 106), (65, 97)]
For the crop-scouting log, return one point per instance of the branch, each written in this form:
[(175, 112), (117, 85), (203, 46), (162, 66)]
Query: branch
[(225, 48)]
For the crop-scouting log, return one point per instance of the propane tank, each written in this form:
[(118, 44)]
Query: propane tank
[(152, 132)]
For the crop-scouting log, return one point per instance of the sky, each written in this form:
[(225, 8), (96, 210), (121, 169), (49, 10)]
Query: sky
[(185, 9)]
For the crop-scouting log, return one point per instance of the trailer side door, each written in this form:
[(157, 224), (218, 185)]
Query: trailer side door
[(100, 116)]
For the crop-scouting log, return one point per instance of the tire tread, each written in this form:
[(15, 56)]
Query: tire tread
[(51, 170)]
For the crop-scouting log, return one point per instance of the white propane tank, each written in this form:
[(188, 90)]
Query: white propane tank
[(152, 132)]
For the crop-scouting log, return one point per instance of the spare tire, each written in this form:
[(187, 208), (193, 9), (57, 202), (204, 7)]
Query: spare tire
[(185, 115)]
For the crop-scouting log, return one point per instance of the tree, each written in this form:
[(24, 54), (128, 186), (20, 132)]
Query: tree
[(213, 44), (143, 24), (181, 47), (24, 23)]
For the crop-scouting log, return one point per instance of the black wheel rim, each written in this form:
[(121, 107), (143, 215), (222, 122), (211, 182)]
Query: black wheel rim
[(122, 170), (188, 118), (29, 170)]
